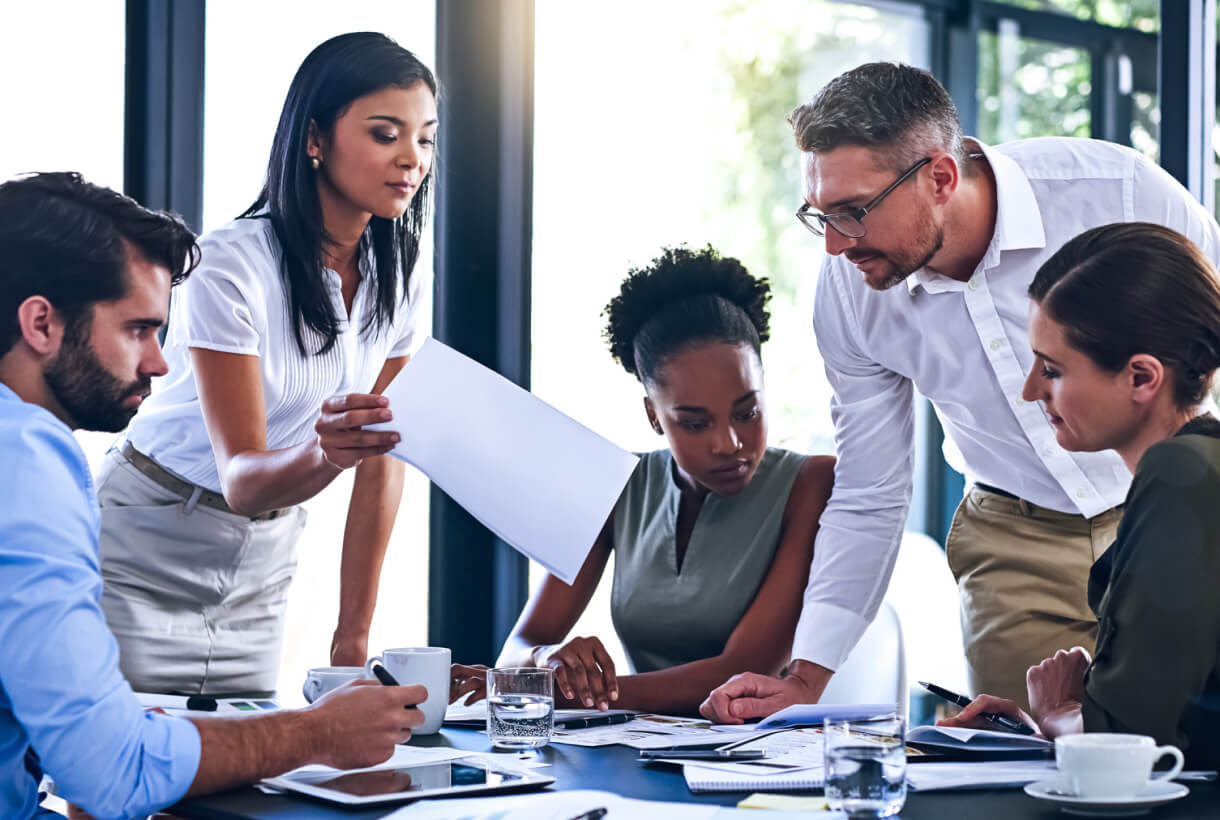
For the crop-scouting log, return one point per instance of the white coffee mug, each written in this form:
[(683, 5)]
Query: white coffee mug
[(427, 666), (1098, 764), (322, 679)]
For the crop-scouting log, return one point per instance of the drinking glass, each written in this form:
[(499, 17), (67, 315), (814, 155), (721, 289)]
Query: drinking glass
[(520, 707), (866, 766)]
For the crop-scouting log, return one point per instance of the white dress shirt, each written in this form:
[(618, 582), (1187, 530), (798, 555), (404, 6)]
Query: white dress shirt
[(964, 345), (236, 302)]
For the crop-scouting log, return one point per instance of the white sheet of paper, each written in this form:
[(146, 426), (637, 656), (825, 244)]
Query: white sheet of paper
[(538, 479), (403, 756), (558, 805), (996, 774)]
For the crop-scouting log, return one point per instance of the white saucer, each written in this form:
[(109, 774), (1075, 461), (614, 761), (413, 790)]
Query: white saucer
[(1156, 794)]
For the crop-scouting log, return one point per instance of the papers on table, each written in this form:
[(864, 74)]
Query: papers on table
[(814, 714), (536, 478), (474, 716), (981, 740), (564, 805), (650, 732), (403, 756), (982, 775)]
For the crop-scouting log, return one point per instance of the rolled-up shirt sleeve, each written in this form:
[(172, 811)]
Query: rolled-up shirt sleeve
[(861, 527), (58, 661)]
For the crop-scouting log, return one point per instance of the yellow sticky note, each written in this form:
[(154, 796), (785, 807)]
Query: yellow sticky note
[(784, 802)]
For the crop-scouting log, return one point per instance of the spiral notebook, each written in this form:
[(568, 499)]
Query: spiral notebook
[(705, 779)]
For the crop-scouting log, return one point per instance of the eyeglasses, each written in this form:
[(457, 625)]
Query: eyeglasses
[(850, 221)]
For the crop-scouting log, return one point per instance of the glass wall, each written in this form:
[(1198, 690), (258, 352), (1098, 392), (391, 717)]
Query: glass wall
[(253, 50), (70, 119), (664, 123), (1144, 15)]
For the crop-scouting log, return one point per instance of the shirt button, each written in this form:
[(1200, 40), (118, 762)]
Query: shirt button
[(995, 344), (1018, 401), (1081, 492), (1048, 450), (973, 284)]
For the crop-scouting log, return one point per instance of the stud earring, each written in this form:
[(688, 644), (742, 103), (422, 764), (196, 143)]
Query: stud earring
[(315, 162)]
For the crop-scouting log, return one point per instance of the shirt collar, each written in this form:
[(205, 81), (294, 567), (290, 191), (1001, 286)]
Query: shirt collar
[(1018, 222)]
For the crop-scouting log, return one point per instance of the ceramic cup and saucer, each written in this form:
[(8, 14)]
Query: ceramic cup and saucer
[(1110, 775)]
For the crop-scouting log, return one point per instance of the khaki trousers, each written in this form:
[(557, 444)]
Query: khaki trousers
[(195, 596), (1022, 573)]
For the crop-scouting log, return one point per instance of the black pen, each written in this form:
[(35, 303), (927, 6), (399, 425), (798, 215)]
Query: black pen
[(386, 678), (589, 722), (592, 814), (991, 717)]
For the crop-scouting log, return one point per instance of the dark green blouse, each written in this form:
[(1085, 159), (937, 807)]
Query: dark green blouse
[(1156, 670), (665, 616)]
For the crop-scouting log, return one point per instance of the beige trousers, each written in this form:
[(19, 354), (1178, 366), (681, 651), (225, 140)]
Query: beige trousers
[(1022, 574), (196, 597)]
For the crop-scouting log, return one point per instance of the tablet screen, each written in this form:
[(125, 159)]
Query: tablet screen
[(412, 779)]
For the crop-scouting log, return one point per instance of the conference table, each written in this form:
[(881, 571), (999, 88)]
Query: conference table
[(617, 769)]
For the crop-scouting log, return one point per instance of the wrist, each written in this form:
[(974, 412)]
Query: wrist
[(812, 677)]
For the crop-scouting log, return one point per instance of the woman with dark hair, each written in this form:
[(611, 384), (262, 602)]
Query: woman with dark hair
[(713, 536), (300, 313), (1125, 327)]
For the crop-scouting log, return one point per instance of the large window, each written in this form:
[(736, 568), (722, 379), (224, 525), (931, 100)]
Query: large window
[(60, 116), (664, 123), (253, 50), (1082, 83)]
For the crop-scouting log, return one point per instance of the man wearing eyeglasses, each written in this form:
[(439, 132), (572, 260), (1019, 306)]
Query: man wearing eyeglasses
[(932, 239)]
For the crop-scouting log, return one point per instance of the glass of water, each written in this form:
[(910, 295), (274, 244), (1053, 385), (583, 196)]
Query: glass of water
[(866, 766), (520, 707)]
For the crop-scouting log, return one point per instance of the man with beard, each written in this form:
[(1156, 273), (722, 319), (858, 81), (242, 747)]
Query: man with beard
[(933, 239), (85, 277)]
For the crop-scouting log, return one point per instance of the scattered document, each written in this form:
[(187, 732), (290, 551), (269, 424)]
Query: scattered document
[(815, 714), (539, 480), (474, 715), (561, 805), (926, 777), (983, 740), (649, 732), (403, 756)]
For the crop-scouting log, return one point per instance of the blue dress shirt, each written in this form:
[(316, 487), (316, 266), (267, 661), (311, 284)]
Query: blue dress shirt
[(61, 691)]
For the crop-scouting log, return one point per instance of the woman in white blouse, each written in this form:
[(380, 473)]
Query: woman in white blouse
[(299, 315)]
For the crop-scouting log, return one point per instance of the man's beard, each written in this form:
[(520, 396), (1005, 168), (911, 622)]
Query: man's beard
[(89, 393), (929, 240)]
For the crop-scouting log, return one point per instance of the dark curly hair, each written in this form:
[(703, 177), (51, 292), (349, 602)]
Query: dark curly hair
[(683, 298)]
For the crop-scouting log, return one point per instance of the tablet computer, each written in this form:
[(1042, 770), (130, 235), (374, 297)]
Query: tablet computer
[(399, 783)]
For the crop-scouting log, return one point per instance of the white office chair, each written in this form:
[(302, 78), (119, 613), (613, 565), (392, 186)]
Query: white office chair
[(875, 671), (924, 594)]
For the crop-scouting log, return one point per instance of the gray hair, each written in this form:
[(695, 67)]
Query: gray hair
[(900, 110)]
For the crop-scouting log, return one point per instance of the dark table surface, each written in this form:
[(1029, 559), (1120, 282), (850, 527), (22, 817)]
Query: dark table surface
[(617, 769)]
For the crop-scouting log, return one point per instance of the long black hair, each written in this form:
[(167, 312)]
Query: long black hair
[(334, 74), (682, 299)]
